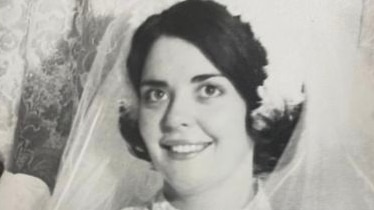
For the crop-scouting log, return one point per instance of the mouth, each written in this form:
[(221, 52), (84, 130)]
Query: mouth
[(184, 150)]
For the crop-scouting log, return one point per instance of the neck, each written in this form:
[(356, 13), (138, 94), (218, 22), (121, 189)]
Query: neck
[(234, 192)]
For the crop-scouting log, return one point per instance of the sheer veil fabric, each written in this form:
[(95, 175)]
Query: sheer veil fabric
[(327, 164)]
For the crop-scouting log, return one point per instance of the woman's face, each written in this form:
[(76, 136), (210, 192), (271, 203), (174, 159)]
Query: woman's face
[(191, 117)]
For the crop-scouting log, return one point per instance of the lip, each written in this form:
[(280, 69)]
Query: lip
[(183, 149)]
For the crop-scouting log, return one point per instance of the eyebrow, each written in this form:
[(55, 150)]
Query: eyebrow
[(195, 79), (153, 83), (203, 77)]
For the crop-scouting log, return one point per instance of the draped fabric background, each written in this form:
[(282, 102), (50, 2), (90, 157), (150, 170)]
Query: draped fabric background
[(12, 30), (46, 51), (47, 48)]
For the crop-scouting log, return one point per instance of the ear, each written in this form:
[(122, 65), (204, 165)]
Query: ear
[(129, 130)]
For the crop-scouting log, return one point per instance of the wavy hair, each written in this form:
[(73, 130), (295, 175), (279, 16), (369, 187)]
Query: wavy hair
[(230, 45)]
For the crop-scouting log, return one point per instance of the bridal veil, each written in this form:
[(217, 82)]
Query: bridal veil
[(328, 162)]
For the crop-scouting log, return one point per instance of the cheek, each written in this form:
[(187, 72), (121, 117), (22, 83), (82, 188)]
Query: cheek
[(149, 126), (226, 120)]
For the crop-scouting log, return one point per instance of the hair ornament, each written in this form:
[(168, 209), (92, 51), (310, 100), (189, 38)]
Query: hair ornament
[(280, 97)]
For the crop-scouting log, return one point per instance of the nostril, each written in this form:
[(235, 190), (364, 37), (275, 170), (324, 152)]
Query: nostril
[(175, 122), (178, 114)]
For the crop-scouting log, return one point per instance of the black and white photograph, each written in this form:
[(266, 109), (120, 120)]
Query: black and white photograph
[(186, 105)]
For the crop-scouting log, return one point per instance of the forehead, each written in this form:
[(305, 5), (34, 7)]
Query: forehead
[(172, 57)]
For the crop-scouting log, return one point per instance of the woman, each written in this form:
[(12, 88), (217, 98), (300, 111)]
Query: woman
[(324, 168), (197, 71)]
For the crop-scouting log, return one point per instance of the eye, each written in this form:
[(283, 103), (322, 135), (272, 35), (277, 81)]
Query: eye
[(210, 91), (155, 95)]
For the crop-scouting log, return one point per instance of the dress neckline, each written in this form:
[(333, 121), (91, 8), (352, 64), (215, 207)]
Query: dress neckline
[(259, 202)]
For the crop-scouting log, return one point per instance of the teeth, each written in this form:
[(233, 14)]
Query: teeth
[(187, 148)]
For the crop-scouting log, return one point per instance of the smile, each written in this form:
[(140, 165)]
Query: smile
[(187, 148), (184, 150)]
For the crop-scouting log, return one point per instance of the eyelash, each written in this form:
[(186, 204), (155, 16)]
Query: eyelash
[(203, 94), (151, 96)]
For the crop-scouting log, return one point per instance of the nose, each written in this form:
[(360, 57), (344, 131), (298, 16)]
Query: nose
[(179, 115)]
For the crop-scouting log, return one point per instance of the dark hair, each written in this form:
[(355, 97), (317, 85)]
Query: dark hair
[(229, 44), (1, 166)]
